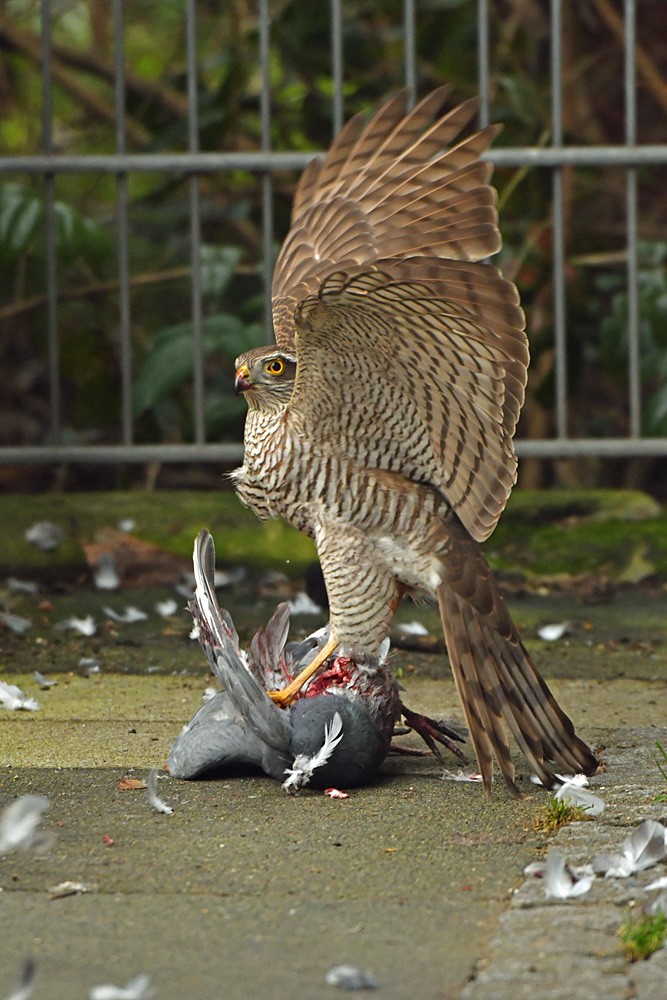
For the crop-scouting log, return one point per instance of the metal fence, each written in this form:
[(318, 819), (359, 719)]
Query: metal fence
[(265, 162)]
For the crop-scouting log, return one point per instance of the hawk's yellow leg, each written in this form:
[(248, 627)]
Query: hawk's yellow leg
[(289, 693)]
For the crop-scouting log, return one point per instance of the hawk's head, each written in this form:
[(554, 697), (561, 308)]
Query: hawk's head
[(266, 375)]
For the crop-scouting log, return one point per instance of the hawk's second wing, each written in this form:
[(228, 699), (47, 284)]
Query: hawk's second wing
[(392, 188), (417, 366)]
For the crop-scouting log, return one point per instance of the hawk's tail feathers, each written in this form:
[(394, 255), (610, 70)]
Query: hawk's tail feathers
[(501, 689)]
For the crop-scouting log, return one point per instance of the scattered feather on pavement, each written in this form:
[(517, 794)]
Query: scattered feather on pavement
[(153, 797), (43, 681), (412, 628), (45, 535), (84, 626), (460, 776), (303, 605), (105, 573), (659, 883), (26, 984), (228, 577), (138, 988), (68, 888), (573, 793), (166, 608), (658, 904), (572, 779), (560, 881), (643, 848), (349, 977), (19, 821), (551, 633), (22, 586), (15, 623), (90, 665), (13, 698), (126, 617)]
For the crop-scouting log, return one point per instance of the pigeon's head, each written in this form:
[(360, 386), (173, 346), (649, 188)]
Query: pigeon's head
[(335, 742)]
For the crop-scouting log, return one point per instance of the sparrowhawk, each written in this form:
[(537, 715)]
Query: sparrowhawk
[(381, 422)]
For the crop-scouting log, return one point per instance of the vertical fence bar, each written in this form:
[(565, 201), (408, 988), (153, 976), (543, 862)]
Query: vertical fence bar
[(195, 223), (122, 229), (410, 48), (337, 64), (267, 184), (50, 230), (560, 337), (483, 62), (634, 347)]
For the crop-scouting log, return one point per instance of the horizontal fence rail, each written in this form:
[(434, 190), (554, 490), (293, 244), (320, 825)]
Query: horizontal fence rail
[(265, 162)]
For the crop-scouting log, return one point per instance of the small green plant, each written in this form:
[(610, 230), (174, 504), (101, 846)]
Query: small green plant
[(558, 813), (641, 936), (663, 771)]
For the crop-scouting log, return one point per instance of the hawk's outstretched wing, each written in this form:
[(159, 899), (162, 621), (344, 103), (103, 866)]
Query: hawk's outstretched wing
[(389, 189), (411, 355), (417, 366)]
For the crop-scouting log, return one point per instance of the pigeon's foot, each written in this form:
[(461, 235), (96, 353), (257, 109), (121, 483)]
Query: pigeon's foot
[(434, 731), (290, 693)]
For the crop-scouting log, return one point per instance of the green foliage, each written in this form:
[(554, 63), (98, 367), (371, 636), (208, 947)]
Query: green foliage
[(558, 813), (170, 361), (229, 85), (641, 936), (22, 225), (652, 290)]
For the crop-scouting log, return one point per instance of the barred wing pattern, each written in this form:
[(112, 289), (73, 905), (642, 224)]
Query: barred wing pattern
[(391, 189), (417, 366)]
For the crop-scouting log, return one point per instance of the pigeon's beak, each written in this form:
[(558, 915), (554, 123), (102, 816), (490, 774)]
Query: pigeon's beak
[(242, 379)]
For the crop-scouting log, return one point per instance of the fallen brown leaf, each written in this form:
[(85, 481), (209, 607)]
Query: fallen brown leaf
[(138, 563), (130, 784)]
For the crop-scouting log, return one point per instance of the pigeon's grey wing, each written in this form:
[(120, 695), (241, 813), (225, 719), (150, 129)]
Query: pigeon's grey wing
[(218, 736), (250, 699), (270, 723)]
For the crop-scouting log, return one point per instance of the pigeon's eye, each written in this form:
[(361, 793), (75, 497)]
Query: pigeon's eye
[(276, 366)]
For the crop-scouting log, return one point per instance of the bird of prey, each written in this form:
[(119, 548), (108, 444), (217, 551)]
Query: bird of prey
[(337, 734), (381, 421)]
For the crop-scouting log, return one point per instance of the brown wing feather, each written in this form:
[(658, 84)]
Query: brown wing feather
[(390, 188), (440, 342)]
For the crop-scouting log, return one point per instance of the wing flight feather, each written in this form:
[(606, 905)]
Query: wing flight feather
[(440, 342)]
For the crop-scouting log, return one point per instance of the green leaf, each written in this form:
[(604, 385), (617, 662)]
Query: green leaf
[(21, 213), (217, 268), (170, 362)]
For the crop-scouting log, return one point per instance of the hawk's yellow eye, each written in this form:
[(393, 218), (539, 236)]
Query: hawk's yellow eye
[(275, 367)]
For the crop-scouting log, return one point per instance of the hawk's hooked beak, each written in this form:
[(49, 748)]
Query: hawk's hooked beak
[(242, 379)]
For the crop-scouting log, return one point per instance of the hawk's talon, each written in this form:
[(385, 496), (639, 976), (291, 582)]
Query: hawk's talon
[(290, 693), (282, 698)]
